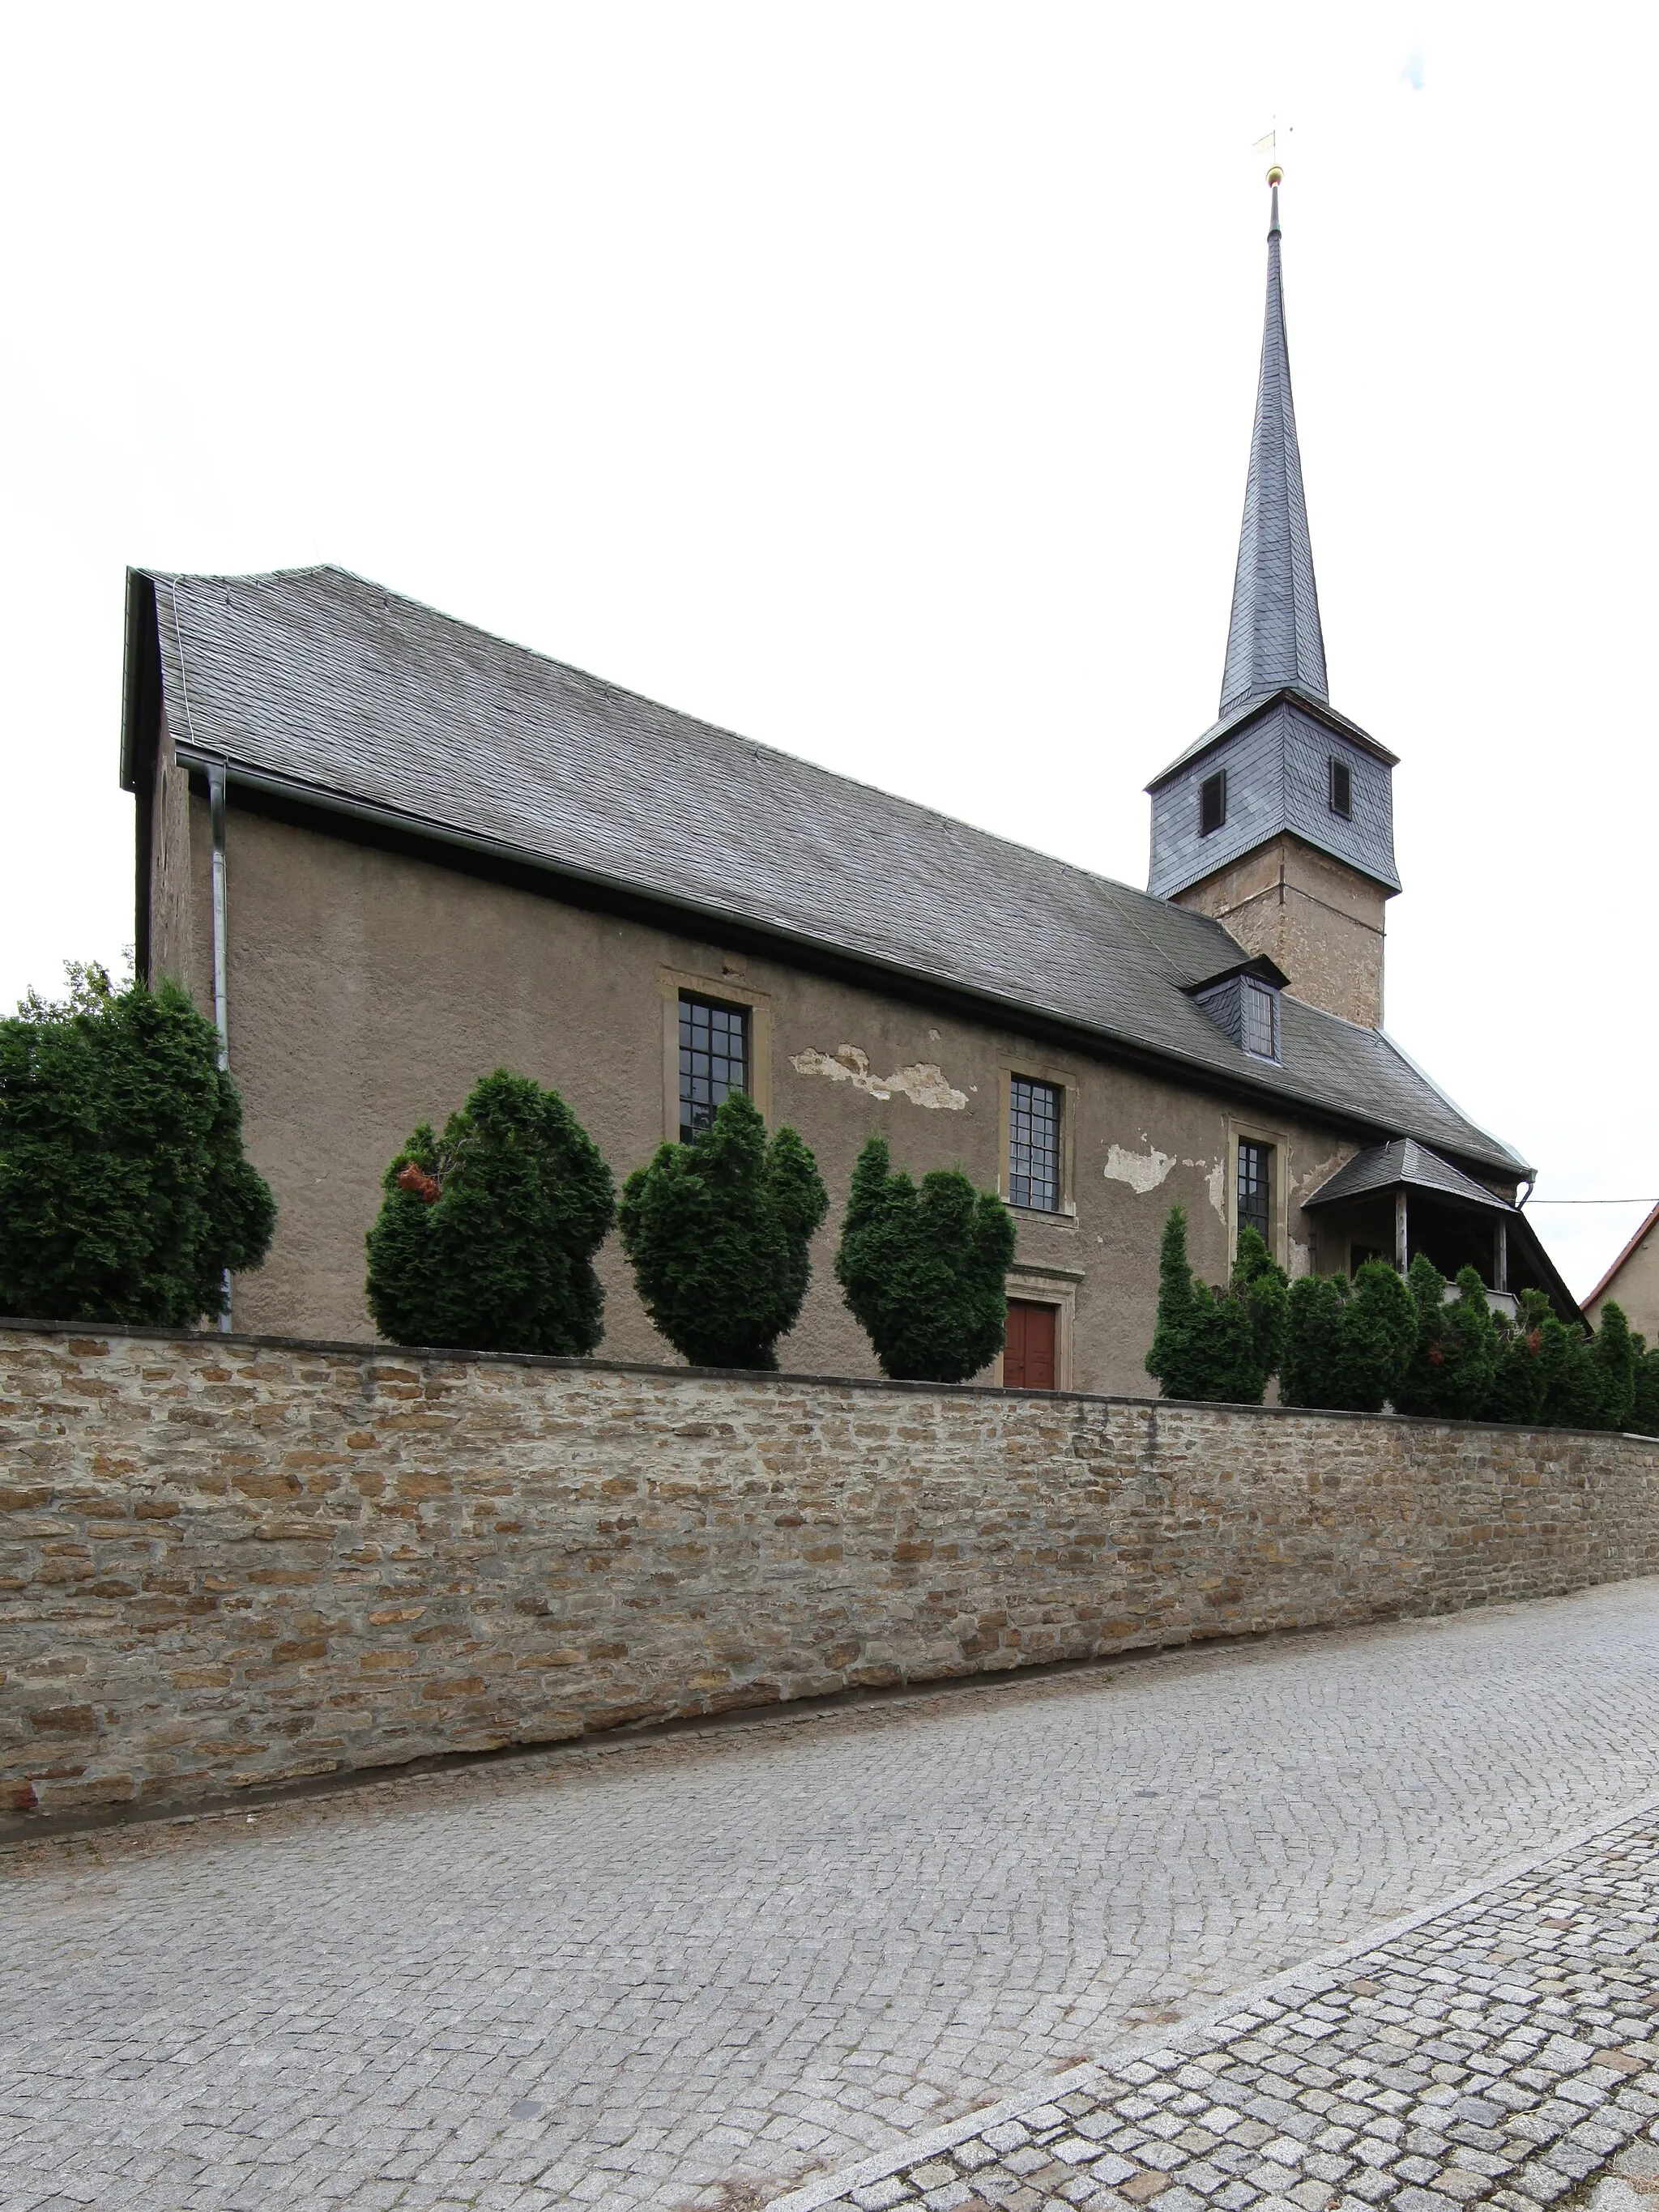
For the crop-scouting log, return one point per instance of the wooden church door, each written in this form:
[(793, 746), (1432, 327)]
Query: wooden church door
[(1028, 1355)]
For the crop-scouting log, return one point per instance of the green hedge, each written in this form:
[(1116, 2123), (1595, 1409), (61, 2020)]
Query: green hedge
[(1381, 1341)]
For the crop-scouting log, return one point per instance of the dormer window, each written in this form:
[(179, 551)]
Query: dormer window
[(1261, 1020), (1341, 799), (1211, 803), (1243, 1003)]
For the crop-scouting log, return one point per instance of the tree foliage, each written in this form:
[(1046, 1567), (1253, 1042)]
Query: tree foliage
[(719, 1232), (1521, 1375), (1612, 1356), (1645, 1394), (123, 1193), (925, 1270), (1219, 1344), (1347, 1343), (486, 1234), (1454, 1362), (1380, 1340)]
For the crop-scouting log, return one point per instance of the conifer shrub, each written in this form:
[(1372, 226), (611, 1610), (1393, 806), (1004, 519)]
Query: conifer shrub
[(1644, 1394), (1222, 1346), (925, 1269), (486, 1234), (123, 1193), (1520, 1376), (1613, 1357), (1314, 1309), (1454, 1361), (1572, 1395), (719, 1232), (1347, 1343)]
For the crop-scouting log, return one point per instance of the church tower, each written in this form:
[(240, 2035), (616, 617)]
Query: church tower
[(1280, 820)]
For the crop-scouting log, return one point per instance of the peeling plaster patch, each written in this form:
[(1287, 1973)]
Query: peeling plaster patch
[(1215, 1178), (1142, 1171), (1309, 1179), (922, 1082)]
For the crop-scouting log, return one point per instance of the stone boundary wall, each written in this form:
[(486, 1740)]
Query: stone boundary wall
[(227, 1561)]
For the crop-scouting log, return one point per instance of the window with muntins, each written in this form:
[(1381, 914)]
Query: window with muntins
[(1211, 803), (1255, 1168), (1034, 1145), (1261, 1020), (713, 1059), (1342, 789)]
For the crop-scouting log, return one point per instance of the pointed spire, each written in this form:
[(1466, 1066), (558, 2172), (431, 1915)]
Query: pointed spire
[(1274, 637)]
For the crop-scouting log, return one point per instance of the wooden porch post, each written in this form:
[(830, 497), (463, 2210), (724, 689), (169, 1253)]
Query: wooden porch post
[(1500, 1256), (1402, 1257)]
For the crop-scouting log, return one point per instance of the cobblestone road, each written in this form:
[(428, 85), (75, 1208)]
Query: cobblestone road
[(1500, 2053), (692, 1972)]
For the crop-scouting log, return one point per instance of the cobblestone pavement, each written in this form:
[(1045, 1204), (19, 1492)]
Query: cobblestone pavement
[(1500, 2053), (695, 1972)]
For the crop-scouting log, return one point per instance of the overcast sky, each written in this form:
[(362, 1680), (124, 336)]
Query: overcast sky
[(876, 380)]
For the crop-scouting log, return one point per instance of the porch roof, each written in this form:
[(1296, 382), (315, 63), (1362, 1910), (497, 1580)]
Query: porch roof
[(1403, 1160)]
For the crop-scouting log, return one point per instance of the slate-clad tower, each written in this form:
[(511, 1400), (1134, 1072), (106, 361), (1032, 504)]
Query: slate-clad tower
[(1279, 821)]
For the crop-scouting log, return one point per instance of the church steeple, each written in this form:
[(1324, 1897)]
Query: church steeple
[(1280, 820), (1274, 638)]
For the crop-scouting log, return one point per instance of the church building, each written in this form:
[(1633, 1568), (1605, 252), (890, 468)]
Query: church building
[(389, 852)]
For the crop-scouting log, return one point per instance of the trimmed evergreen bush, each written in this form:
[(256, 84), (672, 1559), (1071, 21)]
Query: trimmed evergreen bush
[(123, 1193), (1521, 1377), (1454, 1362), (925, 1270), (1223, 1345), (486, 1234), (1612, 1356), (1347, 1343), (719, 1232), (1644, 1396), (1571, 1392)]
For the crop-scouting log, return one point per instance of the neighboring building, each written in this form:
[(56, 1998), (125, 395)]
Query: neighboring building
[(1632, 1282), (394, 853)]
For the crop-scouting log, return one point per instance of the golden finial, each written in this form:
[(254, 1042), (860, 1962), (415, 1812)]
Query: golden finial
[(1275, 175)]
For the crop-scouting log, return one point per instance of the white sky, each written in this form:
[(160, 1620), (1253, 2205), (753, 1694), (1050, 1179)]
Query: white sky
[(876, 380)]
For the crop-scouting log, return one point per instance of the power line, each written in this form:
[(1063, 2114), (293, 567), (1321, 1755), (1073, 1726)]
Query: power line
[(1592, 1201)]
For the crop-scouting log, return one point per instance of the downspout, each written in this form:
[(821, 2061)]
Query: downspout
[(221, 993)]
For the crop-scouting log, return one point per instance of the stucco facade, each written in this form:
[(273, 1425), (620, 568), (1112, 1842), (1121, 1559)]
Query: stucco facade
[(1632, 1282), (369, 988)]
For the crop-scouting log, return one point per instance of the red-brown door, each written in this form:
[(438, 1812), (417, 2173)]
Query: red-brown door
[(1028, 1356)]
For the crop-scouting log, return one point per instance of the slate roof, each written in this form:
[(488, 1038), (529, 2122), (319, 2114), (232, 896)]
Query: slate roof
[(1274, 637), (1236, 718), (319, 684), (1385, 1167)]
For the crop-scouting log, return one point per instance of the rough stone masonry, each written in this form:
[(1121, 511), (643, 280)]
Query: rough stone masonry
[(227, 1561)]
